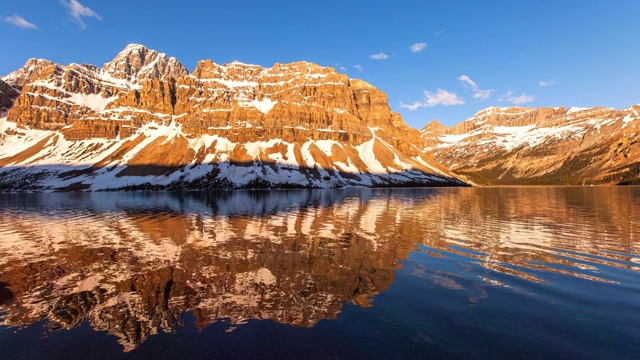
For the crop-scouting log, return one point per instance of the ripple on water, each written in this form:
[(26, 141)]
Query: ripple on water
[(297, 257)]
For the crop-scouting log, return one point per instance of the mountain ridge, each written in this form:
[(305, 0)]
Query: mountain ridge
[(143, 121), (542, 146), (233, 125)]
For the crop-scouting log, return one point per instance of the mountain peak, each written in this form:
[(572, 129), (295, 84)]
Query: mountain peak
[(134, 50), (27, 73), (434, 126), (138, 63), (358, 84), (132, 47)]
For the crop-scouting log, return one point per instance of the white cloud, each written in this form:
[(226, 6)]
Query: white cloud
[(380, 56), (547, 83), (77, 11), (417, 47), (517, 100), (467, 81), (339, 67), (412, 106), (523, 98), (20, 22), (483, 94), (440, 32), (477, 92), (440, 97), (359, 67)]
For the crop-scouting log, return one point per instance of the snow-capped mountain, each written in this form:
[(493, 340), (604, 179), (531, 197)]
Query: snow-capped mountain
[(143, 120), (541, 146)]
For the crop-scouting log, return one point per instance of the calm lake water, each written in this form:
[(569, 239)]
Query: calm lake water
[(359, 273)]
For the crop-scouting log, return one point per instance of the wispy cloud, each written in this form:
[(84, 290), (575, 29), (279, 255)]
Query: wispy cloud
[(483, 94), (477, 92), (20, 22), (358, 67), (467, 81), (547, 83), (523, 98), (417, 47), (77, 11), (440, 97), (412, 106), (439, 32), (380, 56), (517, 100), (339, 67)]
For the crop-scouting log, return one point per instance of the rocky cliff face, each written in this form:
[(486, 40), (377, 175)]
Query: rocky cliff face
[(144, 120), (541, 146), (8, 94)]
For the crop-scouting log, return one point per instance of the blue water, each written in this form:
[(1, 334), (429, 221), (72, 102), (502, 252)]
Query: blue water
[(414, 273)]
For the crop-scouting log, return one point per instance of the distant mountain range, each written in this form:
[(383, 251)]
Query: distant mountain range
[(544, 146), (143, 121)]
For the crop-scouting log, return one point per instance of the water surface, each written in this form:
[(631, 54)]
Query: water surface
[(358, 273)]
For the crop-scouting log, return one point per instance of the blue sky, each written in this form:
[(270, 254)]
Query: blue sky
[(434, 59)]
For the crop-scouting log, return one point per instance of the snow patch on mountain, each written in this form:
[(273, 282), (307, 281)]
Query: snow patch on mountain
[(264, 106), (95, 102), (576, 109), (59, 156)]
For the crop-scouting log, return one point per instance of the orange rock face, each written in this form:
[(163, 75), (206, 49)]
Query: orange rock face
[(232, 124), (297, 124), (541, 146)]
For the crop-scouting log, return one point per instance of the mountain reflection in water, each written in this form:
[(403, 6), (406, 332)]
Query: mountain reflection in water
[(132, 264)]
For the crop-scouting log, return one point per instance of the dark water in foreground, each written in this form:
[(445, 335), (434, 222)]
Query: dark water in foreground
[(418, 273)]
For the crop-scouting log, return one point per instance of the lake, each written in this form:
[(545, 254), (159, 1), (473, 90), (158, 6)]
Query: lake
[(522, 272)]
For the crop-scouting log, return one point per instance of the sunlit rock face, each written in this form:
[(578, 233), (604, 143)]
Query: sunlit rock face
[(133, 263), (541, 146), (143, 119)]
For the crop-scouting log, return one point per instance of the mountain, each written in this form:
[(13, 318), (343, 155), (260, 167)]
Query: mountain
[(144, 121), (544, 146)]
